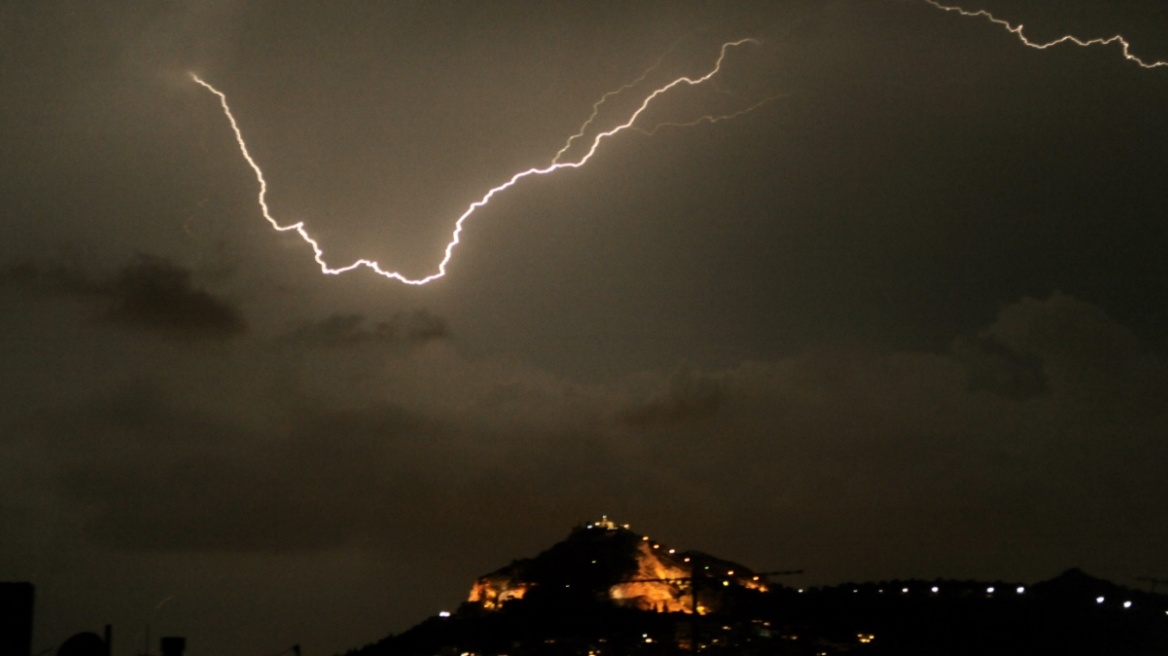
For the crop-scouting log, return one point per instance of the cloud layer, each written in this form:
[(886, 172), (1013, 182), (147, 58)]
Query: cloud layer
[(1040, 431)]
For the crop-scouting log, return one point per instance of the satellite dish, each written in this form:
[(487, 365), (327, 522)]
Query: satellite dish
[(84, 644)]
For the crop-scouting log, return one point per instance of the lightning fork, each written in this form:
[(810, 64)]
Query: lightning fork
[(603, 99), (1017, 30), (318, 253), (708, 118)]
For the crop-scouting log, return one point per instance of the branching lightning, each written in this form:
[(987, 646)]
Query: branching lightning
[(709, 118), (603, 99), (1017, 30), (556, 164)]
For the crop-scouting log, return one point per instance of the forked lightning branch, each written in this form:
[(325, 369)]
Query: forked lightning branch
[(1019, 31), (557, 163)]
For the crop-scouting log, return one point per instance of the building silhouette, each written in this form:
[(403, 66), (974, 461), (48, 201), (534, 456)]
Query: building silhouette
[(16, 605)]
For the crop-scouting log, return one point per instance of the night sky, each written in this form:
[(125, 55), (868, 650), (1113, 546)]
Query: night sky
[(905, 319)]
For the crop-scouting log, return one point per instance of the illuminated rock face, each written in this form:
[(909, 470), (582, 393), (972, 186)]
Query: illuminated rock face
[(492, 591), (660, 583), (606, 562)]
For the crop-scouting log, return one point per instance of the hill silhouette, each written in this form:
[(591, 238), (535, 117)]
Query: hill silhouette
[(606, 590)]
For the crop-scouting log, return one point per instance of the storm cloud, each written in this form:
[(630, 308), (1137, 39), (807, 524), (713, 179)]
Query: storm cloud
[(148, 293), (906, 319)]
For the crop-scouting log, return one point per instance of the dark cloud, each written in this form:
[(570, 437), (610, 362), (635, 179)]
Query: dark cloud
[(883, 381), (420, 450), (1078, 344), (997, 368), (870, 463), (353, 329), (316, 478), (40, 279), (320, 485), (157, 295), (690, 395), (150, 293)]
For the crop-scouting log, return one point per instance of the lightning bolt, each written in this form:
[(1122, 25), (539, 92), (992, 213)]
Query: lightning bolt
[(555, 165), (1017, 30), (603, 99), (711, 119)]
